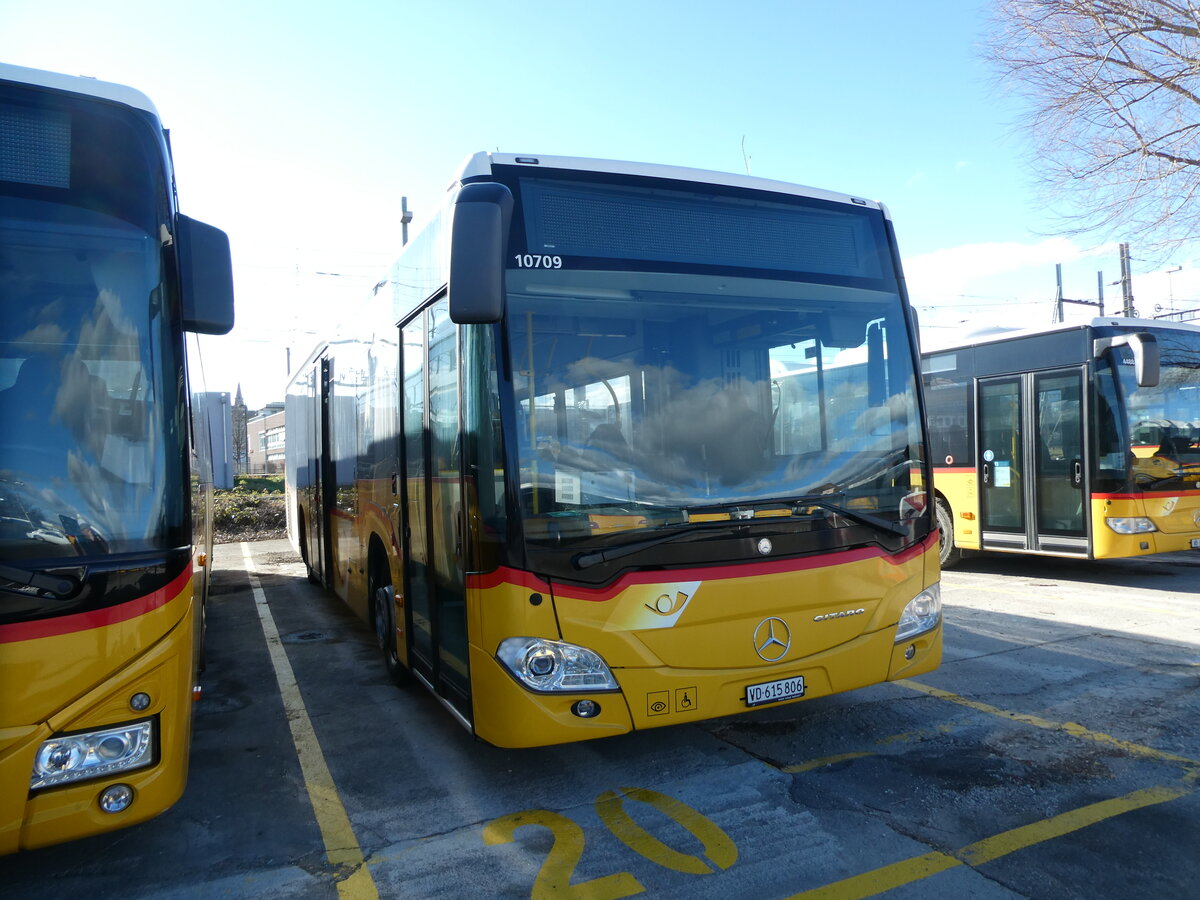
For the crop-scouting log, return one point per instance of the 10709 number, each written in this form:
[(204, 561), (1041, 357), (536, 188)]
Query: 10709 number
[(537, 261)]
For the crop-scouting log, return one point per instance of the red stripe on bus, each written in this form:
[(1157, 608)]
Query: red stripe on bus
[(716, 573), (1144, 494), (505, 575), (97, 618), (956, 470)]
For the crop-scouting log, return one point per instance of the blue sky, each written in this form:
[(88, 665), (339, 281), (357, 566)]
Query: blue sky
[(297, 127)]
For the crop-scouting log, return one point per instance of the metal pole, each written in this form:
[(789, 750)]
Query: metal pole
[(1126, 282), (1058, 307)]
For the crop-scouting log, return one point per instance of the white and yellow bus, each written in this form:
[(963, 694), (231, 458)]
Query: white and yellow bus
[(104, 537), (588, 461), (1077, 440)]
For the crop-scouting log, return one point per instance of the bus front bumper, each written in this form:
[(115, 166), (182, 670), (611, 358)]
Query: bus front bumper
[(508, 715)]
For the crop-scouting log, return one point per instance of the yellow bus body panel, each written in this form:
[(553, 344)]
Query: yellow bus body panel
[(957, 488), (1175, 515), (87, 677), (683, 649)]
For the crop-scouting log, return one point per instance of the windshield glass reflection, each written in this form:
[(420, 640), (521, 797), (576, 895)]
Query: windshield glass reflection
[(1164, 421), (646, 400), (83, 460)]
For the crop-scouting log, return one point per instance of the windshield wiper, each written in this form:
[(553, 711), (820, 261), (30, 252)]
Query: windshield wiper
[(595, 557), (827, 501), (735, 524), (60, 586), (846, 512)]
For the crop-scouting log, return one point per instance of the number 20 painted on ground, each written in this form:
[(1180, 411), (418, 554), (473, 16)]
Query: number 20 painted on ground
[(554, 879)]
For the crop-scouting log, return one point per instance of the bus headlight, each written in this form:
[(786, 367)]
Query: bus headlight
[(92, 754), (1131, 525), (543, 665), (921, 614)]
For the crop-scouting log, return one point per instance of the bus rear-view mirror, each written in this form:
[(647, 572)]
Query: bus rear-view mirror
[(206, 275), (1145, 354), (479, 232)]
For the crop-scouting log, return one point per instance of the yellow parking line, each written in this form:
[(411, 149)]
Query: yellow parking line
[(822, 762), (916, 868), (1026, 836), (341, 845), (868, 884), (1072, 728), (903, 737)]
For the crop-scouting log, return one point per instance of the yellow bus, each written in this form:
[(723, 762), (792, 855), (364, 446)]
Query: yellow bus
[(1076, 440), (589, 459), (104, 535)]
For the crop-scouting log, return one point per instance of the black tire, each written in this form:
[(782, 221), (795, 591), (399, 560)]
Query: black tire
[(383, 618), (948, 553)]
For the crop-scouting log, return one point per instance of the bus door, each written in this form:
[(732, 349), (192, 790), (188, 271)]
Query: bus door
[(433, 534), (1031, 462), (313, 469), (325, 484)]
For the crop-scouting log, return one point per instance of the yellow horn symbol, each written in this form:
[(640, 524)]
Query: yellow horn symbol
[(666, 606)]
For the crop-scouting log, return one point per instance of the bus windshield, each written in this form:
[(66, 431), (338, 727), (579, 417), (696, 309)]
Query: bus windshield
[(657, 393), (1162, 422), (87, 464)]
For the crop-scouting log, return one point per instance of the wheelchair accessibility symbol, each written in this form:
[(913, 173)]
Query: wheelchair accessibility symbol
[(660, 703)]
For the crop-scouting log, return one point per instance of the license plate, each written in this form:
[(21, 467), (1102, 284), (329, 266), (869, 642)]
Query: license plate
[(1196, 543), (775, 691)]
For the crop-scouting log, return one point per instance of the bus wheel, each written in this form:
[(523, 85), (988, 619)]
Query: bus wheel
[(947, 552), (383, 606)]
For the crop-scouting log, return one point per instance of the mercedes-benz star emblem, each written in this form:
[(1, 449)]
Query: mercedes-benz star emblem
[(772, 638)]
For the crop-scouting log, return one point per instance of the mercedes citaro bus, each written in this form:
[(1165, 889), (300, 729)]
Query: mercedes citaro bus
[(616, 446)]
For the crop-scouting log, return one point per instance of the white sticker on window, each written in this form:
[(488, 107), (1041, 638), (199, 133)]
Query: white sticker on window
[(1003, 475), (566, 487)]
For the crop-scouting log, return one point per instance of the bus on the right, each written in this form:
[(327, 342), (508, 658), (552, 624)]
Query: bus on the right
[(1076, 440)]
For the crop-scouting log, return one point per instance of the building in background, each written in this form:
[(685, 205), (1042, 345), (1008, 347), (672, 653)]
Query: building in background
[(265, 440), (213, 421)]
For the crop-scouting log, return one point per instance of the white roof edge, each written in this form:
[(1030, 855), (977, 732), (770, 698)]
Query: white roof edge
[(993, 333), (79, 84), (481, 164)]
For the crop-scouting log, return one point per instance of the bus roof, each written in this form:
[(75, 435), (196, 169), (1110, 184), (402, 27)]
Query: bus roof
[(78, 84), (480, 164), (988, 334)]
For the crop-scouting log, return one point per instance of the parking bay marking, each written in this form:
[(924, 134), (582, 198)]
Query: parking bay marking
[(341, 845), (919, 867), (1072, 728), (907, 871)]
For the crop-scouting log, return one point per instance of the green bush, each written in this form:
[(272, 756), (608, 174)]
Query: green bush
[(243, 515), (259, 484)]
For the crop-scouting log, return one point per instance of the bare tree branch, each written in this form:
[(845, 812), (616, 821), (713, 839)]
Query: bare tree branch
[(1114, 94)]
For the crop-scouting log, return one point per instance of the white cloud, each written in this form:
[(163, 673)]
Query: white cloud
[(1014, 283), (989, 282)]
